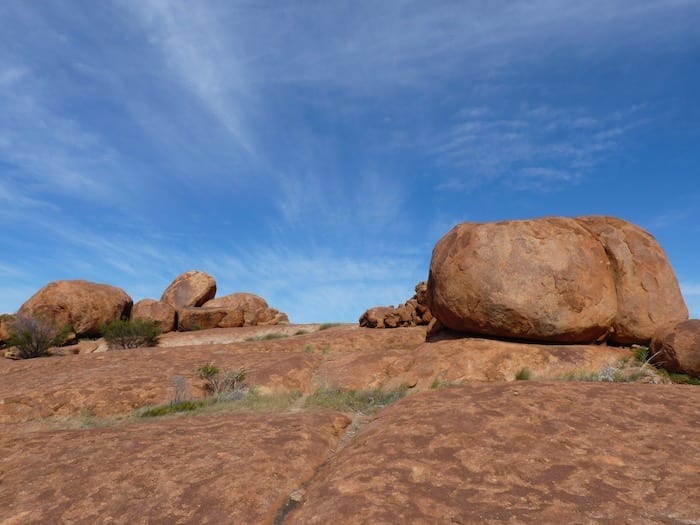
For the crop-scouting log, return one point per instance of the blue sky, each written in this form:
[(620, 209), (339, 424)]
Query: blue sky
[(314, 152)]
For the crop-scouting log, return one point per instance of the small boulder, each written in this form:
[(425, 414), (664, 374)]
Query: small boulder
[(413, 312), (161, 314), (83, 305), (192, 288), (374, 317), (677, 348)]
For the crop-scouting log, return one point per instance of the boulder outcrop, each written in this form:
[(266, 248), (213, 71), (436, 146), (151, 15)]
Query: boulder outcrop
[(648, 295), (414, 312), (161, 314), (230, 311), (254, 309), (554, 279), (192, 288), (83, 305), (542, 280), (677, 348)]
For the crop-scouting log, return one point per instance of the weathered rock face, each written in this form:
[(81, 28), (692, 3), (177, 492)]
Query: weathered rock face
[(204, 318), (524, 452), (84, 305), (5, 322), (677, 348), (163, 315), (648, 295), (414, 312), (542, 280), (253, 308), (192, 288)]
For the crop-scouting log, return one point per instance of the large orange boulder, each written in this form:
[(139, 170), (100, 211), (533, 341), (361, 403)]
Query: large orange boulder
[(81, 304), (648, 295), (192, 288), (677, 348), (542, 280), (161, 314), (253, 308)]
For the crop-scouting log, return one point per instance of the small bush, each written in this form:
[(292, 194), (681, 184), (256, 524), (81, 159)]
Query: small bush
[(131, 334), (172, 408), (33, 335), (683, 379), (219, 382), (266, 337), (641, 354), (326, 326), (523, 374)]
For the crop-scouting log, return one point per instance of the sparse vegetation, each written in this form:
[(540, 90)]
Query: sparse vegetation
[(680, 379), (523, 374), (354, 401), (173, 408), (33, 335), (266, 337), (326, 326), (301, 332), (131, 334), (641, 354), (221, 383)]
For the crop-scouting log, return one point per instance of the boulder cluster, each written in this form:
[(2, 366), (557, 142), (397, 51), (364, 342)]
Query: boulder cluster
[(188, 303), (414, 312), (573, 281), (586, 280)]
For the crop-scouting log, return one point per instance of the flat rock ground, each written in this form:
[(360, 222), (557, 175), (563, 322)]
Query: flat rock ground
[(466, 445)]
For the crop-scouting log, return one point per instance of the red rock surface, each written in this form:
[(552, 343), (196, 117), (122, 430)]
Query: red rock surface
[(84, 305), (192, 288), (222, 468), (677, 348), (519, 453), (118, 381), (543, 280), (648, 295), (163, 315)]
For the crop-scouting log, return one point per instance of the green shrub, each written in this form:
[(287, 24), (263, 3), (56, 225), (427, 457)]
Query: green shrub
[(641, 354), (219, 382), (131, 334), (523, 374), (683, 379), (354, 401), (33, 335), (172, 408), (266, 337), (326, 326)]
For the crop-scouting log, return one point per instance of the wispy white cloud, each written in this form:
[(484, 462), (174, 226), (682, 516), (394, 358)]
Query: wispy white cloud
[(204, 57), (533, 148)]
